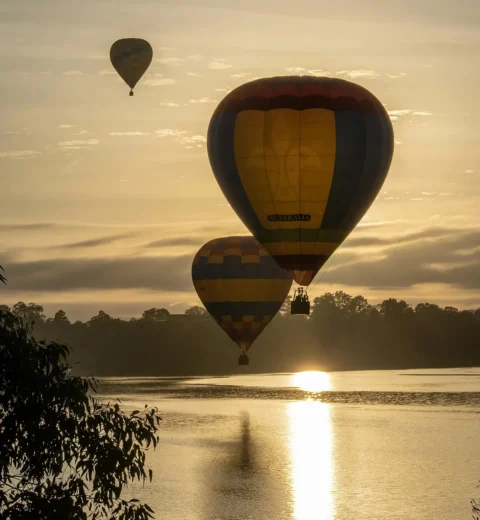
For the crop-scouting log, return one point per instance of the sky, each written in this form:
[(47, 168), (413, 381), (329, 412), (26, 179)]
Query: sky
[(105, 198)]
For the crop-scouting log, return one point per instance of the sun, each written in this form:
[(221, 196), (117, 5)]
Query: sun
[(312, 381)]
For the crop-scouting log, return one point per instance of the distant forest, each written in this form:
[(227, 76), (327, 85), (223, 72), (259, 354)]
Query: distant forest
[(343, 332)]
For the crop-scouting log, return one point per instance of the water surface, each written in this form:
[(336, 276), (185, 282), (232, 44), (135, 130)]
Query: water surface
[(325, 446)]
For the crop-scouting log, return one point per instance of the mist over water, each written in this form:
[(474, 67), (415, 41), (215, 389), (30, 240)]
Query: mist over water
[(312, 445)]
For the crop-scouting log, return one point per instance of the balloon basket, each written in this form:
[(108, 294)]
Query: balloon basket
[(300, 303), (243, 359)]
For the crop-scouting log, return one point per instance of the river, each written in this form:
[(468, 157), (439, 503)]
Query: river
[(368, 445)]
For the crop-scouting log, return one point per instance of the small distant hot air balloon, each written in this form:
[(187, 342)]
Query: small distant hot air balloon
[(300, 160), (241, 286), (131, 57)]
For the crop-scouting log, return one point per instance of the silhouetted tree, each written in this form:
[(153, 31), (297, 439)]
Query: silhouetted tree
[(343, 332), (29, 313), (2, 278), (196, 310), (155, 314), (61, 318), (64, 455), (101, 318)]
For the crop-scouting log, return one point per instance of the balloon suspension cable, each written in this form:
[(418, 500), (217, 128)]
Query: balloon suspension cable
[(326, 270), (131, 92)]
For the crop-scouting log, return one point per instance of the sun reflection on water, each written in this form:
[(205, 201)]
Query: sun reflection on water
[(312, 461)]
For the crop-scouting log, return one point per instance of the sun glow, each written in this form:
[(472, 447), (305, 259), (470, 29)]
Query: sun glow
[(312, 381)]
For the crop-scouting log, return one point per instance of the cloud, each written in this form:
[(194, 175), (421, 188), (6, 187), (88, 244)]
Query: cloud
[(194, 140), (318, 72), (422, 113), (170, 60), (395, 114), (296, 70), (106, 72), (202, 100), (128, 133), (26, 227), (72, 73), (398, 142), (168, 104), (170, 132), (219, 65), (175, 61), (66, 126), (18, 154), (241, 75), (399, 113), (193, 74), (359, 73), (305, 71), (431, 233), (167, 273), (83, 132), (79, 142), (93, 243), (180, 241), (222, 90), (469, 171), (431, 256), (40, 72), (396, 76), (183, 137), (366, 73), (160, 82)]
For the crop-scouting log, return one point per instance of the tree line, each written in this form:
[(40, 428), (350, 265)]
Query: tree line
[(343, 332)]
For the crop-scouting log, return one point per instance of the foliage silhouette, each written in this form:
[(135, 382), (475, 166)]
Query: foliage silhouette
[(475, 510), (196, 310), (63, 454), (343, 332)]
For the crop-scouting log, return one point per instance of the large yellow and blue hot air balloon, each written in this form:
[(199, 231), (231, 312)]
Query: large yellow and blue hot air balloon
[(300, 160), (131, 57), (241, 286)]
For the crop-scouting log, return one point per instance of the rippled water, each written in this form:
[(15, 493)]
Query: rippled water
[(339, 446)]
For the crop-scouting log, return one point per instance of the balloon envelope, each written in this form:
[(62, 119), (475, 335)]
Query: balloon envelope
[(300, 160), (241, 286), (131, 57)]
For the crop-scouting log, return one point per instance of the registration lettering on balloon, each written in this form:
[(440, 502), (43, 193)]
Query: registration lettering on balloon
[(287, 218)]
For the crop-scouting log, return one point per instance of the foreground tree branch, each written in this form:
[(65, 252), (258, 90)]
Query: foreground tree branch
[(64, 454)]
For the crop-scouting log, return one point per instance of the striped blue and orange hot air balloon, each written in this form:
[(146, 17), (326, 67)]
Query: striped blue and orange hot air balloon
[(241, 286), (300, 160)]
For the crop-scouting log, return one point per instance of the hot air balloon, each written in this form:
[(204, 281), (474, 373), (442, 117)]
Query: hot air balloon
[(241, 286), (131, 57), (300, 160)]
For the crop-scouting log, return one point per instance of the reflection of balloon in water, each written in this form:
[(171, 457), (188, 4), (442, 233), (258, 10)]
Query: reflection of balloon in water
[(131, 57), (300, 160), (240, 285)]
